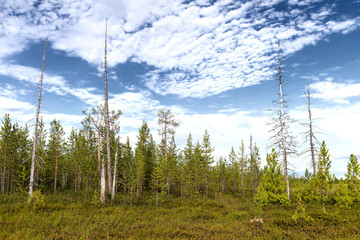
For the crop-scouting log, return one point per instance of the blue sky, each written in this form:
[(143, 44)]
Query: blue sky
[(213, 63)]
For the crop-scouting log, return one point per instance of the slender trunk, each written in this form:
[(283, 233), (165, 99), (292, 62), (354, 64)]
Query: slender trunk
[(242, 178), (99, 135), (115, 168), (311, 131), (107, 123), (103, 183), (32, 170), (56, 170), (206, 178), (282, 124), (252, 166)]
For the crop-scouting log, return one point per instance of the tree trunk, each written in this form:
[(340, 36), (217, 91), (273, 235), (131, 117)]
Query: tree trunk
[(252, 166), (206, 178), (282, 124), (115, 168), (56, 170), (311, 131), (99, 135), (32, 170), (107, 122), (103, 183)]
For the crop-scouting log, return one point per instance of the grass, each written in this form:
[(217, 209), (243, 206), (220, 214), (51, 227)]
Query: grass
[(70, 217)]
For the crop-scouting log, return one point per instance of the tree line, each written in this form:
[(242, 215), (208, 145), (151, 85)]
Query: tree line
[(72, 163), (93, 158)]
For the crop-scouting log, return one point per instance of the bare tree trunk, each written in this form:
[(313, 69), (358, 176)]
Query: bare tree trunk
[(282, 124), (115, 166), (99, 158), (32, 170), (312, 149), (107, 122), (103, 183)]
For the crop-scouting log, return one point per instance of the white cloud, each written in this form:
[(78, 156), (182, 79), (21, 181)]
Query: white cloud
[(11, 105), (337, 125), (334, 91), (197, 40), (30, 74)]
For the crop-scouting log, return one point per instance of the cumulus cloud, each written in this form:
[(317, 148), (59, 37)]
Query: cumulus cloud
[(193, 46)]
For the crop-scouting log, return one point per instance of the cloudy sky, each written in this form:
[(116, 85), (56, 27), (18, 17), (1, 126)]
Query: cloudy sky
[(213, 63)]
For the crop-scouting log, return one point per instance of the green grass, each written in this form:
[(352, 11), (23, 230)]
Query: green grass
[(69, 217)]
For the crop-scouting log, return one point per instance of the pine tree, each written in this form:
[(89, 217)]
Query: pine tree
[(40, 156), (189, 166), (234, 170), (342, 197), (272, 188), (254, 166), (243, 164), (143, 159), (353, 178), (208, 159), (56, 147), (5, 147), (168, 123), (323, 176), (127, 169)]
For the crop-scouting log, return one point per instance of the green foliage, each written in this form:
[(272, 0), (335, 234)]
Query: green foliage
[(272, 188), (323, 177), (309, 190), (300, 216), (342, 196), (37, 200), (95, 198)]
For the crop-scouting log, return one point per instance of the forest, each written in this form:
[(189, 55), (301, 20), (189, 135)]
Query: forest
[(89, 185)]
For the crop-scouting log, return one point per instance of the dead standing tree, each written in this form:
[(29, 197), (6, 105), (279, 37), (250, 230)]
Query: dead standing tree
[(32, 170), (107, 120), (281, 136), (309, 135)]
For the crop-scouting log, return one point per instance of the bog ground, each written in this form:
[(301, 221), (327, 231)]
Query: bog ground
[(71, 217)]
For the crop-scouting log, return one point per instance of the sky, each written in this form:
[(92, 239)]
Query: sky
[(212, 63)]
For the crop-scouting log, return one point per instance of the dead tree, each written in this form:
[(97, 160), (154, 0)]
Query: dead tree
[(309, 135), (32, 170), (281, 136), (115, 169), (107, 121)]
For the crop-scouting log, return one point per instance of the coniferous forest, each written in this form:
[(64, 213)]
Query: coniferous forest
[(90, 185)]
